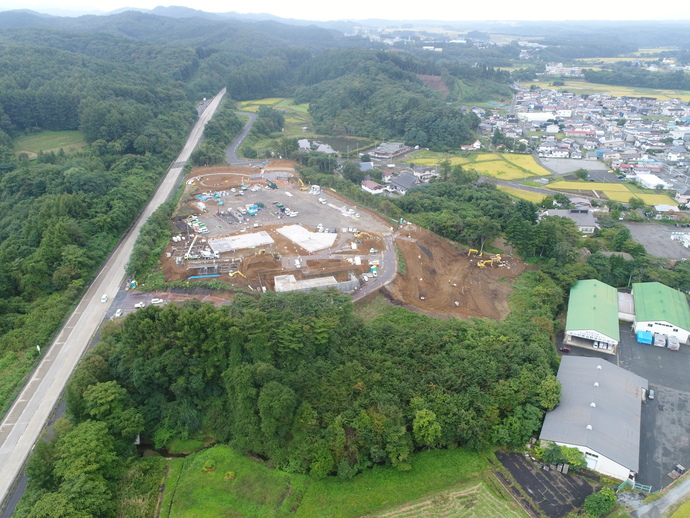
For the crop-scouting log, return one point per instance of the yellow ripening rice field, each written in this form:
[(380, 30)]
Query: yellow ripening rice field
[(481, 157), (612, 191), (456, 160), (527, 162), (499, 169), (534, 197)]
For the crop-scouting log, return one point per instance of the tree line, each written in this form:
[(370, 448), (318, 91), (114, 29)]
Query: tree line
[(298, 379)]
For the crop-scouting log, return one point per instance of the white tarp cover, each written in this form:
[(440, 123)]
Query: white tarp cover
[(289, 283), (310, 241), (240, 241)]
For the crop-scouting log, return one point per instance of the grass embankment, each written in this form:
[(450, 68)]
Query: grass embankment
[(458, 480), (47, 141)]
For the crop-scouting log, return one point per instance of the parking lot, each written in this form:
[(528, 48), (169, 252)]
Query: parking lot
[(656, 238), (664, 440), (310, 211)]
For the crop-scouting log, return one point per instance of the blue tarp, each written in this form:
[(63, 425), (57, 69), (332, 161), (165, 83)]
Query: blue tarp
[(644, 337)]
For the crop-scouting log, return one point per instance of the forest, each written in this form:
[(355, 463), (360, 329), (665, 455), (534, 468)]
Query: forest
[(300, 381)]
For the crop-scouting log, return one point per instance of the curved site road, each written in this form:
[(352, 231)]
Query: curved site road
[(27, 417), (231, 154)]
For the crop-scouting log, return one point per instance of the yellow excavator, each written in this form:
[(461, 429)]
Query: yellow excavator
[(302, 187), (237, 272), (361, 233), (475, 252)]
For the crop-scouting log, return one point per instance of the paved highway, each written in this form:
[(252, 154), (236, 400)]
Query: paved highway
[(27, 417)]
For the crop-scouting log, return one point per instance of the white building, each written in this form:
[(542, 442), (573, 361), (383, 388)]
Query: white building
[(660, 309), (599, 414)]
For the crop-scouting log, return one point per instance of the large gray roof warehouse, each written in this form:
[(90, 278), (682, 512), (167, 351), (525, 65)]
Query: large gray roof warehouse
[(599, 413)]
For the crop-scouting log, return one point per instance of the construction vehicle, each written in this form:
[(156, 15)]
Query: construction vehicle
[(482, 264), (237, 272), (362, 233), (244, 187), (475, 252), (302, 187), (271, 185)]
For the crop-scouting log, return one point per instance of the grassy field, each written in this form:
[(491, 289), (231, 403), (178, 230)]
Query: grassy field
[(49, 141), (683, 511), (253, 491), (458, 481), (614, 191), (582, 87), (534, 197), (473, 501)]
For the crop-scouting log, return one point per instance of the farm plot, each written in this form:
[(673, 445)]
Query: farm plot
[(554, 493), (476, 501), (483, 157), (423, 158), (613, 191), (527, 162), (500, 169)]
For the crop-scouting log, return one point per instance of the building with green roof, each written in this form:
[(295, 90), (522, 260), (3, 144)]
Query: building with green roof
[(592, 320), (660, 309)]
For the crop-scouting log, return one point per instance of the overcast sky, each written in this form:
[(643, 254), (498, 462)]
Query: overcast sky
[(392, 10)]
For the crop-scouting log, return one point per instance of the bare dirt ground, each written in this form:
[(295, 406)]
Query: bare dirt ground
[(438, 273), (552, 492), (435, 83), (443, 275)]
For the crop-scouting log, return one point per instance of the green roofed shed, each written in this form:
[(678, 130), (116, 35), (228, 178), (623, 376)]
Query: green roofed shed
[(593, 316), (660, 309)]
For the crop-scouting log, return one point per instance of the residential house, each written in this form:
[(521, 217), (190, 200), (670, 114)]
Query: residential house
[(403, 183)]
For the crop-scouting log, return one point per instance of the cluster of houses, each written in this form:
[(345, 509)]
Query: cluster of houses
[(639, 136)]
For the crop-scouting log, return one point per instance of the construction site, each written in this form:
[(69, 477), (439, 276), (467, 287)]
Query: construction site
[(263, 229)]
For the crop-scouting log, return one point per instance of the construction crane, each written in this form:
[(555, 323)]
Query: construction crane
[(474, 251), (302, 187)]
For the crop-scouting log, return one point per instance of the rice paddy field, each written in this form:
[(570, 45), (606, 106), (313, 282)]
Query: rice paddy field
[(528, 163), (534, 197), (582, 87), (613, 191), (500, 169), (296, 114)]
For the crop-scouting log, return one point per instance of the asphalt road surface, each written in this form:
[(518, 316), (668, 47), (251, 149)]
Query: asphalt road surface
[(27, 417), (231, 152)]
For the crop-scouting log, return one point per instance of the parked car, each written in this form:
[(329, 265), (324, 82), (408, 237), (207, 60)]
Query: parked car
[(118, 313), (157, 301), (650, 394), (139, 305)]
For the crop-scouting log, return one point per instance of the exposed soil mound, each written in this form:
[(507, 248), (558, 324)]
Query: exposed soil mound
[(438, 275)]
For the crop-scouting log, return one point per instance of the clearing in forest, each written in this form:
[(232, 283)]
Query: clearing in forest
[(47, 141)]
